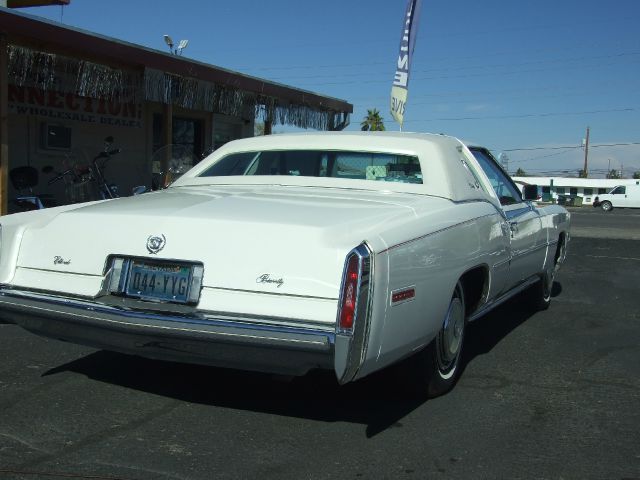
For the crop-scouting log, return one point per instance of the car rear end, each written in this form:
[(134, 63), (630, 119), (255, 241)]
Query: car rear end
[(233, 292)]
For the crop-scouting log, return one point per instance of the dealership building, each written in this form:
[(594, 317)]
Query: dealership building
[(64, 90)]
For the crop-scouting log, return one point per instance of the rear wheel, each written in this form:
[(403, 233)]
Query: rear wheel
[(606, 206), (435, 369)]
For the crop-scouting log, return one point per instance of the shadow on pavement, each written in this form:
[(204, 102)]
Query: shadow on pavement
[(377, 401), (485, 333)]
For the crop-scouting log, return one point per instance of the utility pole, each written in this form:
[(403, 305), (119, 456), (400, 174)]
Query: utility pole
[(586, 155)]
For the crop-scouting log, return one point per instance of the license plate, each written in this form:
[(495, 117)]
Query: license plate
[(159, 281)]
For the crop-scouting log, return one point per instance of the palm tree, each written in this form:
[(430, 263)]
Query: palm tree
[(372, 122)]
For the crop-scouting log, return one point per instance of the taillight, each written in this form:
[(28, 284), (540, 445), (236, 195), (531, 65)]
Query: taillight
[(353, 318), (349, 295)]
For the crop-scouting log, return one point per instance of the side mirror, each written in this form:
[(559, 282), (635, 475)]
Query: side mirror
[(530, 192)]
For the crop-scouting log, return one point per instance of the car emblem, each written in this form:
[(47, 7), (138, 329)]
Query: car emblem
[(268, 279), (155, 243), (58, 260)]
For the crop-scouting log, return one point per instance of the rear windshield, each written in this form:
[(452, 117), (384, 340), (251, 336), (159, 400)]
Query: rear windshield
[(384, 167)]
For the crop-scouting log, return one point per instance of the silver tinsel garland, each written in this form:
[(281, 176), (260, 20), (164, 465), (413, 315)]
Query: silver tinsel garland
[(47, 71)]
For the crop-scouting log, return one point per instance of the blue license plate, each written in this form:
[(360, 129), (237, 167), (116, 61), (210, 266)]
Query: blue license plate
[(159, 281)]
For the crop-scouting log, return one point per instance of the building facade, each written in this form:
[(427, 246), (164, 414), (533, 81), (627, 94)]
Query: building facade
[(64, 90)]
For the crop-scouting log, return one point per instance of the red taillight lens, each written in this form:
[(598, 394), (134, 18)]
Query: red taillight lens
[(349, 293)]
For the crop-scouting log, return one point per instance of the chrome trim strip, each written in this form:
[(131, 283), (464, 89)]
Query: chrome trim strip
[(530, 250), (401, 244), (206, 323), (501, 263), (506, 296), (61, 272), (178, 329), (259, 292)]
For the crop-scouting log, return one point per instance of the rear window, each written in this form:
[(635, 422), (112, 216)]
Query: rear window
[(384, 167)]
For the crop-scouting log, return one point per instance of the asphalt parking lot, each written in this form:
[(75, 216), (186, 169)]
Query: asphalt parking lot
[(551, 395)]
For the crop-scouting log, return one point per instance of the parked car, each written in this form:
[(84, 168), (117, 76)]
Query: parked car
[(622, 196), (286, 253)]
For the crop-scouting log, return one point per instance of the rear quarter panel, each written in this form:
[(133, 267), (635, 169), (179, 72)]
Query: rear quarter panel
[(431, 263)]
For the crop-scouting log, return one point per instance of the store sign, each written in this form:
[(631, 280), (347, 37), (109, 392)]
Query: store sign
[(70, 107)]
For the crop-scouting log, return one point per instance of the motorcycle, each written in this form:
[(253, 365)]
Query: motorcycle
[(88, 182), (83, 182), (106, 190)]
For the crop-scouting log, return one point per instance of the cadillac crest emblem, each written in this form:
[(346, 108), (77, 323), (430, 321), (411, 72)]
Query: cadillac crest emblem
[(155, 243)]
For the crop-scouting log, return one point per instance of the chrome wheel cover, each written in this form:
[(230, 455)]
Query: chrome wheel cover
[(449, 339)]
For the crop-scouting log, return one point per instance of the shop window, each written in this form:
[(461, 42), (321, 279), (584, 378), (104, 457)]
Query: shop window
[(588, 191), (573, 191), (187, 132), (55, 137), (602, 190), (560, 190), (224, 132)]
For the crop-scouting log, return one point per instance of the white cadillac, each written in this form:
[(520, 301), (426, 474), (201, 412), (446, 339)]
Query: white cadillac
[(286, 253)]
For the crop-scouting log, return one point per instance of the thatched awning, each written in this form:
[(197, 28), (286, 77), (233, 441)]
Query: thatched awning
[(47, 55)]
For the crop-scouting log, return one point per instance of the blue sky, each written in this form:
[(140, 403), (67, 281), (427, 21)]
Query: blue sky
[(505, 74)]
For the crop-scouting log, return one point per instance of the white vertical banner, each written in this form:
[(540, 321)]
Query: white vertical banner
[(400, 88)]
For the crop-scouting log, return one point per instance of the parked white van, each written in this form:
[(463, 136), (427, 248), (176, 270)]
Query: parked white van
[(622, 196)]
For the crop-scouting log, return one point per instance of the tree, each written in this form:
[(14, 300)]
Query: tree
[(582, 174), (520, 173), (372, 121), (613, 174), (636, 175)]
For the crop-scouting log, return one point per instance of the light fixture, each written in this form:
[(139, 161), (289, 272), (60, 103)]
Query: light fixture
[(181, 45), (169, 42)]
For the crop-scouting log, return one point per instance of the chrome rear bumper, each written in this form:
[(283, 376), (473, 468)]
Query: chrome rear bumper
[(288, 347)]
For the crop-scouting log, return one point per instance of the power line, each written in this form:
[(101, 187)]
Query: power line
[(515, 91), (540, 157), (570, 147), (466, 33), (443, 77), (462, 68), (525, 115)]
